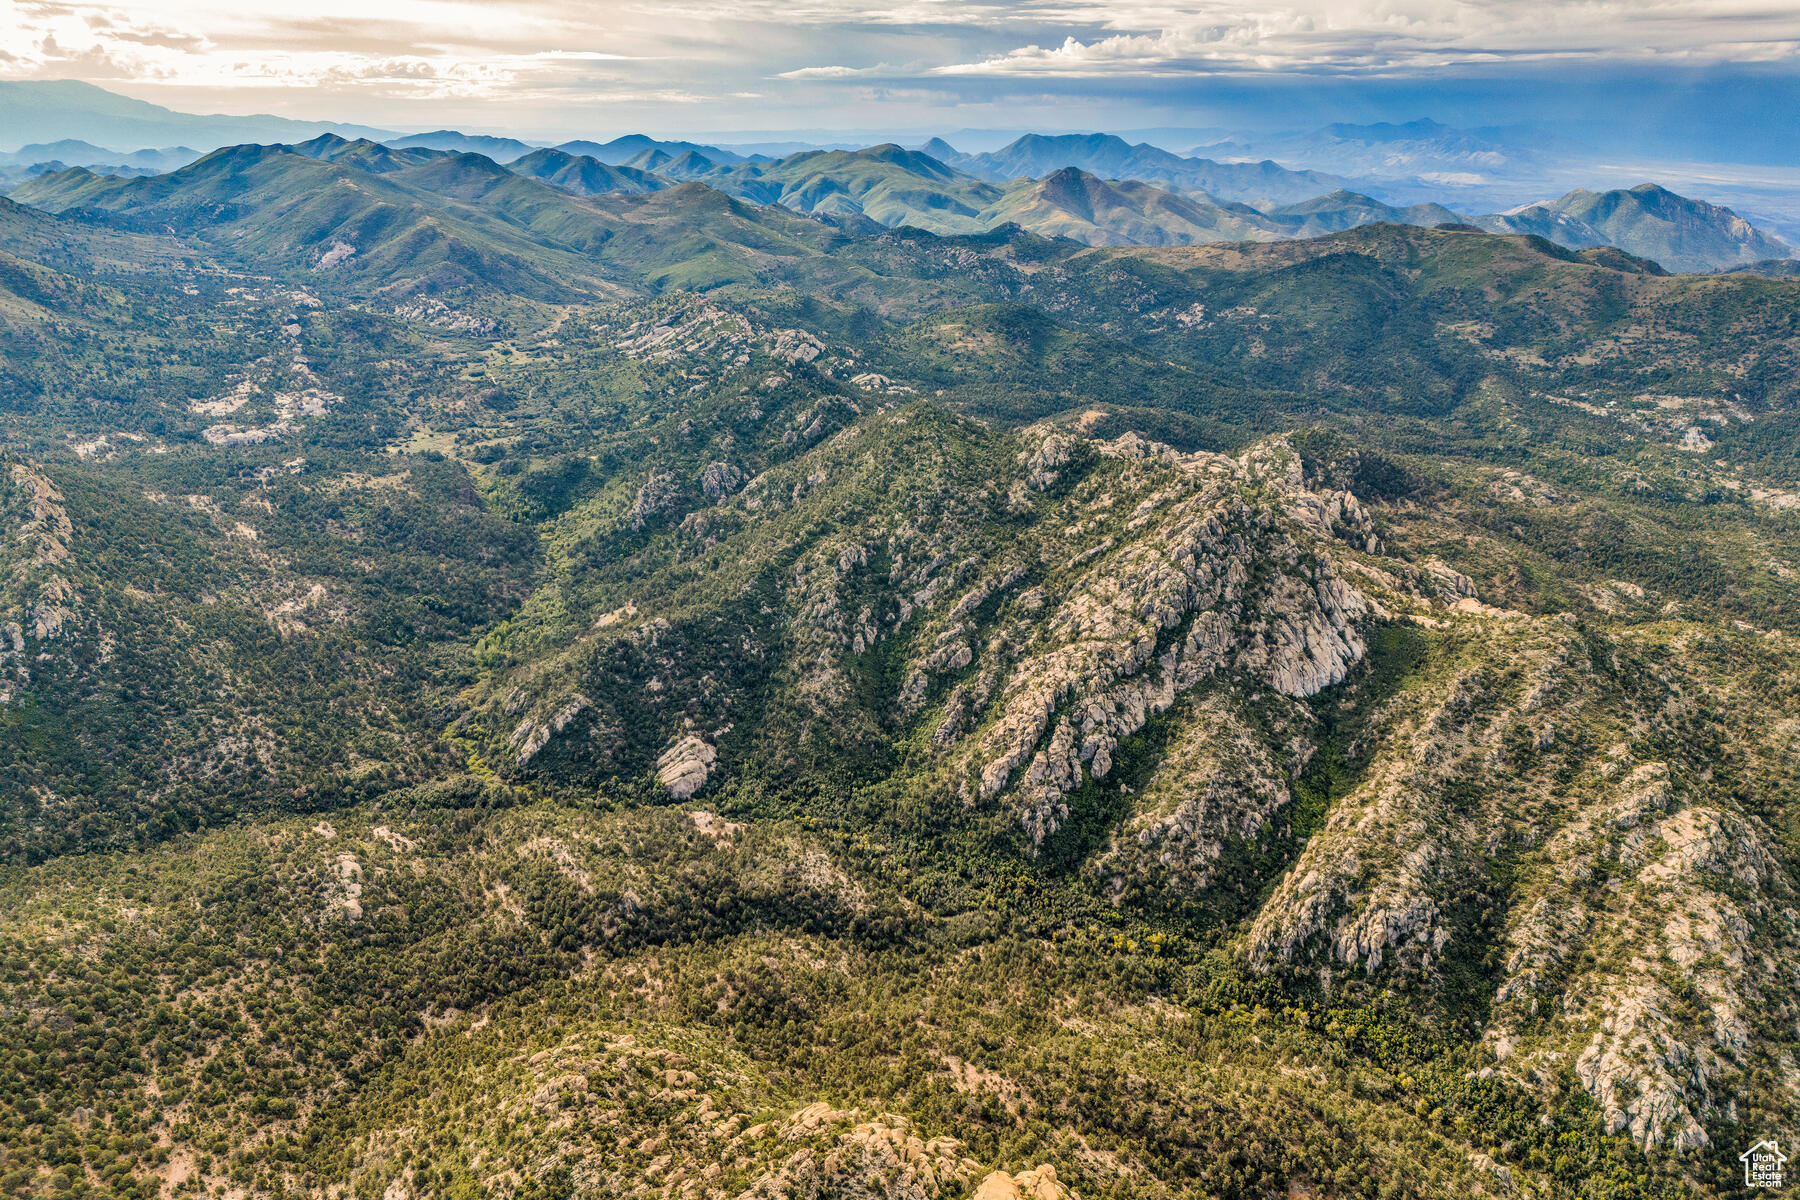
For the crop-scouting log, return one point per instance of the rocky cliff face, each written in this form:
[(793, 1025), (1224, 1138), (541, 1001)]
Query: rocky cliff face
[(39, 601), (1193, 568)]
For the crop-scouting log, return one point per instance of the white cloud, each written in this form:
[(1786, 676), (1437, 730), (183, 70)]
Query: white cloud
[(493, 44), (830, 72), (394, 60), (1385, 35), (425, 48)]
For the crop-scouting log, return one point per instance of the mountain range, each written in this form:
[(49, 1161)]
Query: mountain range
[(1111, 157), (73, 152), (246, 187), (1131, 193)]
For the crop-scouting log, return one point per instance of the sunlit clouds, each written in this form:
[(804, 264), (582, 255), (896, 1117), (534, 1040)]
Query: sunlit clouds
[(774, 64)]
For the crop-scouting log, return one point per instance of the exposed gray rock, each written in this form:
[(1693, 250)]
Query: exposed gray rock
[(531, 735), (683, 768), (720, 480), (1043, 465), (658, 493)]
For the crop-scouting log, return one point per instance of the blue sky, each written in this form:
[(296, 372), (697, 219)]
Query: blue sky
[(1699, 78)]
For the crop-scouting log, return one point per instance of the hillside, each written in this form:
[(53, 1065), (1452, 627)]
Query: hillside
[(583, 175), (649, 693)]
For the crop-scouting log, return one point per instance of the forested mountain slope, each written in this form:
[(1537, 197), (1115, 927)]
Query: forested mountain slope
[(665, 696)]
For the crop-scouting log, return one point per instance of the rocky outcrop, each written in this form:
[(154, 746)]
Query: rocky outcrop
[(795, 346), (1648, 948), (1027, 619), (1043, 464), (1219, 783), (703, 335), (1690, 979), (1367, 887), (720, 480), (842, 1153), (1039, 1183), (39, 600), (1145, 572), (683, 768), (531, 735), (658, 493)]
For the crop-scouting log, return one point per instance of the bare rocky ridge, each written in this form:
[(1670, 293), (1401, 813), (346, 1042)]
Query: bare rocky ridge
[(684, 766), (1166, 568), (1147, 621)]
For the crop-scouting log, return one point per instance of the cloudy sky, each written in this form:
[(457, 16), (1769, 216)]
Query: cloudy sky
[(1688, 69)]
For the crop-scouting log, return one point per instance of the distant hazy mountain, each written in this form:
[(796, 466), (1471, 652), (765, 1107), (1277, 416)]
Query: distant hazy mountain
[(623, 149), (43, 111), (1109, 207), (583, 175), (1341, 210), (1777, 268), (1037, 155), (688, 164), (886, 183), (896, 186), (74, 152), (1075, 204), (1650, 222), (500, 149)]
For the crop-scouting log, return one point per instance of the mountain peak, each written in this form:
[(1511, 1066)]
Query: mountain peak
[(322, 144), (1087, 141), (916, 161), (547, 155), (500, 149), (1649, 221)]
